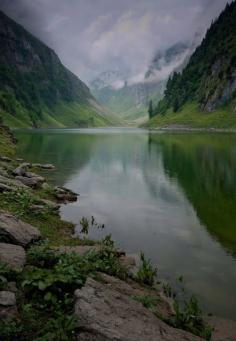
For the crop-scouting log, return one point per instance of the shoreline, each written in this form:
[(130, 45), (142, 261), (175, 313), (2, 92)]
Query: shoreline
[(37, 205)]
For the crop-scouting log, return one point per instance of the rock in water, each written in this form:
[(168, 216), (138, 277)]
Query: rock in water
[(107, 315), (13, 230), (12, 255)]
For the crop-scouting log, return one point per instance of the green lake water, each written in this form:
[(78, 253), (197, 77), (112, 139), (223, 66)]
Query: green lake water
[(172, 195)]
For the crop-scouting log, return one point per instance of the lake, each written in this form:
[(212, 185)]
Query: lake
[(171, 195)]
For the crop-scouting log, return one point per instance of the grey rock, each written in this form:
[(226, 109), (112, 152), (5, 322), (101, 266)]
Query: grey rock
[(12, 255), (13, 230), (65, 194), (35, 176), (8, 308), (21, 170), (5, 158), (107, 315), (5, 188), (11, 182), (7, 298), (43, 166), (29, 182)]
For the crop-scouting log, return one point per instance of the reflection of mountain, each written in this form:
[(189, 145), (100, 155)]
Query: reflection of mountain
[(205, 167), (68, 152)]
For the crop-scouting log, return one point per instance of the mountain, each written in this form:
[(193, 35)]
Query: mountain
[(130, 100), (204, 93), (36, 90)]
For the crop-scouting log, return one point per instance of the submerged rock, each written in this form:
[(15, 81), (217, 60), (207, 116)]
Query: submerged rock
[(12, 255), (107, 315), (13, 230)]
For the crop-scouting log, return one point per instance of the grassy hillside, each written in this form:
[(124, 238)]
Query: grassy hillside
[(37, 90), (208, 82), (191, 117)]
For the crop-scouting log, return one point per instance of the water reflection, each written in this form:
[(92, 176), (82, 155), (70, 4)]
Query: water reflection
[(205, 167), (170, 195)]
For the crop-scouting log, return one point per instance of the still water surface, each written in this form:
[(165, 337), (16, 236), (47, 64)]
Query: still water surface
[(171, 195)]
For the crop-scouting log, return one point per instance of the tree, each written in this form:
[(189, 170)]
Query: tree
[(150, 110)]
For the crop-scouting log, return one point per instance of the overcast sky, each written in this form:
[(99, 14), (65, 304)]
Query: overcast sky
[(91, 36)]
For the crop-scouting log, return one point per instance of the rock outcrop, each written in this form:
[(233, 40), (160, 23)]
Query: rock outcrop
[(15, 231), (107, 315), (12, 255)]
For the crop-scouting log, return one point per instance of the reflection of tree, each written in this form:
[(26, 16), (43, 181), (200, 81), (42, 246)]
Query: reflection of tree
[(205, 167)]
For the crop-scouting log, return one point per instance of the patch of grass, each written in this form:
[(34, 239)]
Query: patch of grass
[(7, 145), (190, 116), (149, 302)]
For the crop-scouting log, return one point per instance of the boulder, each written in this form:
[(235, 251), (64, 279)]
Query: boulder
[(107, 315), (224, 330), (35, 176), (29, 182), (65, 194), (12, 255), (8, 308), (13, 230), (21, 169)]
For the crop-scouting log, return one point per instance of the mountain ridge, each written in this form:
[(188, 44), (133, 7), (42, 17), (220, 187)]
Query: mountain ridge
[(207, 85), (34, 84)]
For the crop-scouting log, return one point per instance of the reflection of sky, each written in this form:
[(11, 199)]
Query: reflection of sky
[(124, 186)]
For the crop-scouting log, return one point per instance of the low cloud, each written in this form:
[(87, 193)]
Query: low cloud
[(92, 36)]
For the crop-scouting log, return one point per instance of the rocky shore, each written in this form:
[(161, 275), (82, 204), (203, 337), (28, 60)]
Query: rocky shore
[(54, 286)]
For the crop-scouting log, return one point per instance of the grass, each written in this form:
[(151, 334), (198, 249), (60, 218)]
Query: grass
[(7, 146), (191, 116)]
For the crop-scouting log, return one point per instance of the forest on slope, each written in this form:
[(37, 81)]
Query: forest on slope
[(204, 93)]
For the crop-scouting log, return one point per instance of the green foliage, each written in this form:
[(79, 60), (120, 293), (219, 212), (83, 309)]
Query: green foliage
[(189, 317), (149, 302), (146, 273), (209, 69), (86, 224)]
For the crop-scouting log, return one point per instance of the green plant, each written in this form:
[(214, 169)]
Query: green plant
[(146, 273), (189, 317), (86, 224), (149, 302), (41, 255)]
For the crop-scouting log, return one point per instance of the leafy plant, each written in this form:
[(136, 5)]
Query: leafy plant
[(146, 273), (189, 317), (86, 224)]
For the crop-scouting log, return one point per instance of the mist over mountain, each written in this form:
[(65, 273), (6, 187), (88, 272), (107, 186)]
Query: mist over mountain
[(129, 96)]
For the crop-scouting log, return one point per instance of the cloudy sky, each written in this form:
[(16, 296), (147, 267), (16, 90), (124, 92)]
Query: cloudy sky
[(91, 36)]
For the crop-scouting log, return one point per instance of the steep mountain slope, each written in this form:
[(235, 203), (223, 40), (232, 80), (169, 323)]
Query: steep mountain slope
[(130, 100), (208, 82), (36, 89)]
